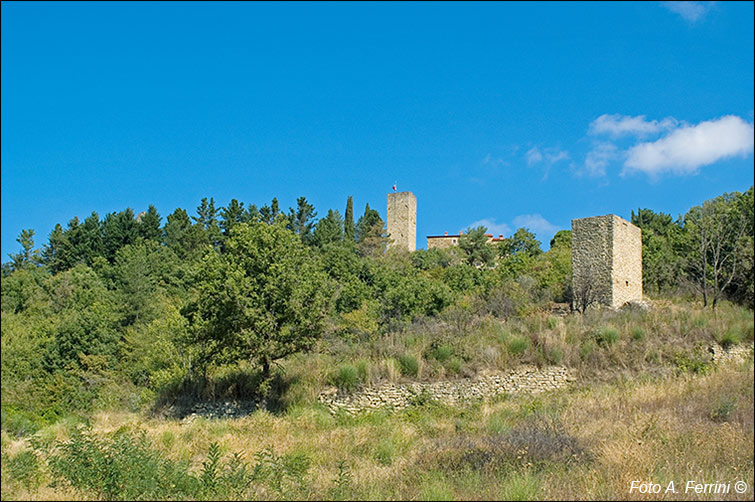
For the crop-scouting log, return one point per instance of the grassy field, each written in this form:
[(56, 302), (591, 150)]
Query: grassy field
[(648, 407)]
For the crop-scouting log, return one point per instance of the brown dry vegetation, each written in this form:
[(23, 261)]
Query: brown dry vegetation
[(587, 442)]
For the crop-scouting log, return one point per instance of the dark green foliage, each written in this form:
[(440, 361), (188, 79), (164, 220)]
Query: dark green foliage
[(148, 225), (118, 230), (346, 377), (607, 336), (302, 219), (349, 230), (28, 256), (184, 238), (265, 298), (328, 230), (475, 245), (408, 364)]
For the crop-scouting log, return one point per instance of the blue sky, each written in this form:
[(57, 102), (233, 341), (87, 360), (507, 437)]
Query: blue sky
[(504, 114)]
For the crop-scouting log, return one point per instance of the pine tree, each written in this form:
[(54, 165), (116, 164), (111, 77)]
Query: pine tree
[(329, 229), (28, 255), (302, 220), (231, 216), (148, 224)]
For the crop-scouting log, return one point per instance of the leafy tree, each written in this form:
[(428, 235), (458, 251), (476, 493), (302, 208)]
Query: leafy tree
[(522, 242), (264, 299), (475, 245), (302, 220), (662, 258), (328, 230), (717, 239), (349, 230)]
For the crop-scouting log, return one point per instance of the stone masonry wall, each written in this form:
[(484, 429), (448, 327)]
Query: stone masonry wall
[(402, 220), (591, 259), (627, 262), (525, 379), (606, 260)]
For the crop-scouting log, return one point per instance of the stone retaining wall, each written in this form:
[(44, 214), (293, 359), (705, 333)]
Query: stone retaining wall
[(525, 379), (737, 353)]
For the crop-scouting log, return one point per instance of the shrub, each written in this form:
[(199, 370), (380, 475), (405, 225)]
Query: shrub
[(346, 377), (554, 355), (442, 353), (517, 345), (729, 338), (637, 333), (607, 336), (409, 365), (454, 366)]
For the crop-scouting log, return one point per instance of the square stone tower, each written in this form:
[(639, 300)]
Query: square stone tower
[(402, 220), (606, 261)]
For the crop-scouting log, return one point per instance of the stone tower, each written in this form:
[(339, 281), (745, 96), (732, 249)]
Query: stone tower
[(606, 261), (402, 220)]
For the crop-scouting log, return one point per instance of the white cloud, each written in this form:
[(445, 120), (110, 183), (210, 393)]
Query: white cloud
[(624, 125), (688, 148), (533, 156), (690, 11), (549, 155), (598, 158), (493, 228), (494, 162), (535, 223)]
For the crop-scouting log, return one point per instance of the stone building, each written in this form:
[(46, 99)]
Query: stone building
[(447, 241), (402, 220), (606, 261)]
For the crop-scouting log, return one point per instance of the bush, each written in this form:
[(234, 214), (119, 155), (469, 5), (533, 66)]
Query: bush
[(409, 365), (607, 336), (442, 353), (729, 338), (346, 377), (637, 333), (517, 345), (454, 366)]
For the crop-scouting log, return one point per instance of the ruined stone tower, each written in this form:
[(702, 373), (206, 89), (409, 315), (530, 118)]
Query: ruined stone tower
[(606, 261), (402, 220)]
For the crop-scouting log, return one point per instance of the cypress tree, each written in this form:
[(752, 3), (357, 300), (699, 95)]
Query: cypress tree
[(348, 221)]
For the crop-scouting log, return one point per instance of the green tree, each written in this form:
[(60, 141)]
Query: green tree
[(522, 242), (28, 255), (148, 224), (349, 230), (207, 219), (662, 258), (328, 230), (182, 237), (302, 220), (475, 245), (717, 238), (265, 298), (118, 230), (231, 215), (371, 236)]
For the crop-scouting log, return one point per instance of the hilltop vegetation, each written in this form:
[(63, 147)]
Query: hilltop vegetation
[(114, 320)]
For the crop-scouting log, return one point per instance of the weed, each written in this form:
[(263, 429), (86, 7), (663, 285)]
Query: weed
[(409, 365), (517, 345), (607, 336)]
